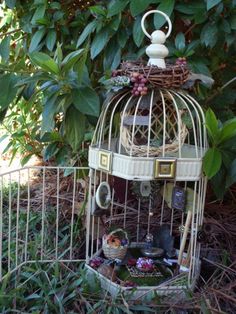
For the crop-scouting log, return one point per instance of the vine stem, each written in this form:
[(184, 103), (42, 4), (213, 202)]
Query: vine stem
[(190, 29), (229, 82), (9, 33), (219, 90)]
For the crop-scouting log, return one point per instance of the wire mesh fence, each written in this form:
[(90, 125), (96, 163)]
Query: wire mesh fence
[(40, 211)]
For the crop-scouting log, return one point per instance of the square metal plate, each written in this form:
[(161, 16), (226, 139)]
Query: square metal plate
[(104, 160), (164, 168)]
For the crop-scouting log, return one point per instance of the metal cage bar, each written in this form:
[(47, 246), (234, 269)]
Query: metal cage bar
[(31, 216)]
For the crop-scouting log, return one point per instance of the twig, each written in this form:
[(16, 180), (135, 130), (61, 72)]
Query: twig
[(11, 32), (220, 89), (189, 29), (223, 295)]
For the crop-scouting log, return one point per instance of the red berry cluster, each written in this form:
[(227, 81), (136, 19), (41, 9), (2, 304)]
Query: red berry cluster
[(139, 82), (181, 61)]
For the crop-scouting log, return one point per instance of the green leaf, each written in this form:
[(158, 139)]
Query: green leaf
[(39, 13), (86, 32), (9, 145), (138, 34), (71, 59), (55, 5), (212, 3), (74, 127), (115, 23), (212, 162), (58, 54), (116, 6), (57, 16), (229, 145), (209, 35), (116, 60), (98, 10), (51, 150), (50, 108), (199, 67), (227, 157), (51, 39), (99, 42), (142, 308), (233, 22), (200, 16), (62, 157), (167, 7), (2, 115), (44, 61), (110, 53), (36, 39), (183, 8), (5, 48), (8, 85), (180, 41), (28, 91), (212, 125), (33, 296), (225, 26), (192, 8), (43, 21), (86, 100), (218, 183), (122, 37), (194, 44), (80, 67), (228, 131), (51, 137), (138, 6), (231, 178), (25, 159)]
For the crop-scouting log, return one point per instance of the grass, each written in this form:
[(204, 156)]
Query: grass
[(56, 287)]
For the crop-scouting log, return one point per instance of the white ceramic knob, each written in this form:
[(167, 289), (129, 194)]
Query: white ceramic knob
[(157, 51)]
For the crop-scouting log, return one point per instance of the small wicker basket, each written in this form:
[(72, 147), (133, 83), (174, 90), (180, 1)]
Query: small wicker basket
[(113, 252)]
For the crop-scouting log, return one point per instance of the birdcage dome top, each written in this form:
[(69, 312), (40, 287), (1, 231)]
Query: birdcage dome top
[(161, 124), (149, 118)]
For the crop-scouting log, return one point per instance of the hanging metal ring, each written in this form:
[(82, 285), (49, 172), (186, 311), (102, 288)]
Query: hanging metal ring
[(161, 13), (103, 195)]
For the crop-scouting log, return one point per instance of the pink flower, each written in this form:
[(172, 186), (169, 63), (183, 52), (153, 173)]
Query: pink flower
[(145, 263)]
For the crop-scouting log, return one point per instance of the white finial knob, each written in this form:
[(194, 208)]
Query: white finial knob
[(157, 51)]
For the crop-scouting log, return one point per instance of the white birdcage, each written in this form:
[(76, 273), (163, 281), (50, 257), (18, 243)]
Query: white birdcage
[(146, 178)]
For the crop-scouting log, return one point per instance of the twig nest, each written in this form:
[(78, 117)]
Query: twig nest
[(173, 76), (107, 271)]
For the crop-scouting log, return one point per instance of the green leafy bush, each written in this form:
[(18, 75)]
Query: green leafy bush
[(56, 54)]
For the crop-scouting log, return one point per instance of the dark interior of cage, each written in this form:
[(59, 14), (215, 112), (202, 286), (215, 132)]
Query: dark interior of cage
[(142, 209)]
